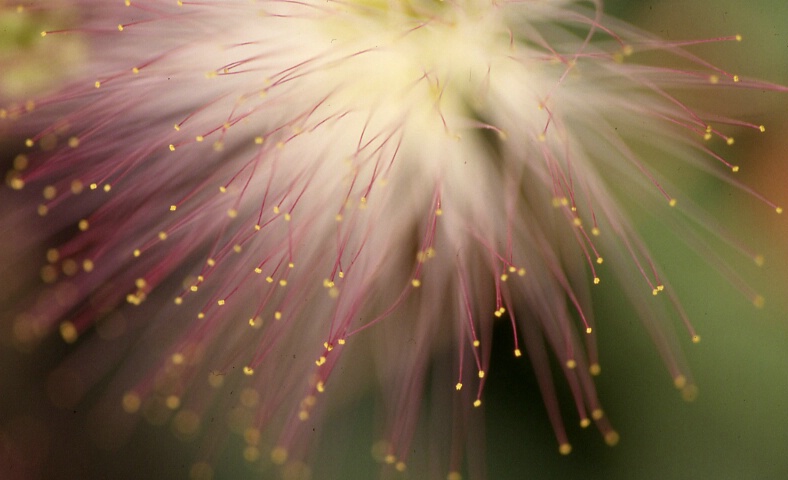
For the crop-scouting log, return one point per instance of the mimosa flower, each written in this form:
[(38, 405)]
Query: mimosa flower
[(255, 196)]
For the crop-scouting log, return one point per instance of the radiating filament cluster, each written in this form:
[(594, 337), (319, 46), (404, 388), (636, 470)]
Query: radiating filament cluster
[(281, 192)]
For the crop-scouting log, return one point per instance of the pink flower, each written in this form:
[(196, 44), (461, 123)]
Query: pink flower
[(252, 197)]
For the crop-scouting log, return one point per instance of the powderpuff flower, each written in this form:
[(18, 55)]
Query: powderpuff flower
[(253, 207)]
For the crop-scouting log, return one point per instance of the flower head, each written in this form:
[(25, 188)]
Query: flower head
[(258, 194)]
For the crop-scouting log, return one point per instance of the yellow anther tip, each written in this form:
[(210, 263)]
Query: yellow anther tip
[(758, 301), (68, 332), (565, 449), (689, 393)]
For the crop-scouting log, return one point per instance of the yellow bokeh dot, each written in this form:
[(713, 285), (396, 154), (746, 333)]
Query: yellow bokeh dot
[(251, 453), (279, 455), (201, 471), (131, 402)]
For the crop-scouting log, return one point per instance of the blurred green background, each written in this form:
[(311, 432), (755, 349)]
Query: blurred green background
[(736, 429)]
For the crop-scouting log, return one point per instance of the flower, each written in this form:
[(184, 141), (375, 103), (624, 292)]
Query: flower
[(251, 196)]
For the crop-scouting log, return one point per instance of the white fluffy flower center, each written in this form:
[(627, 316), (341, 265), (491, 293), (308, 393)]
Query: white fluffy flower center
[(429, 60)]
